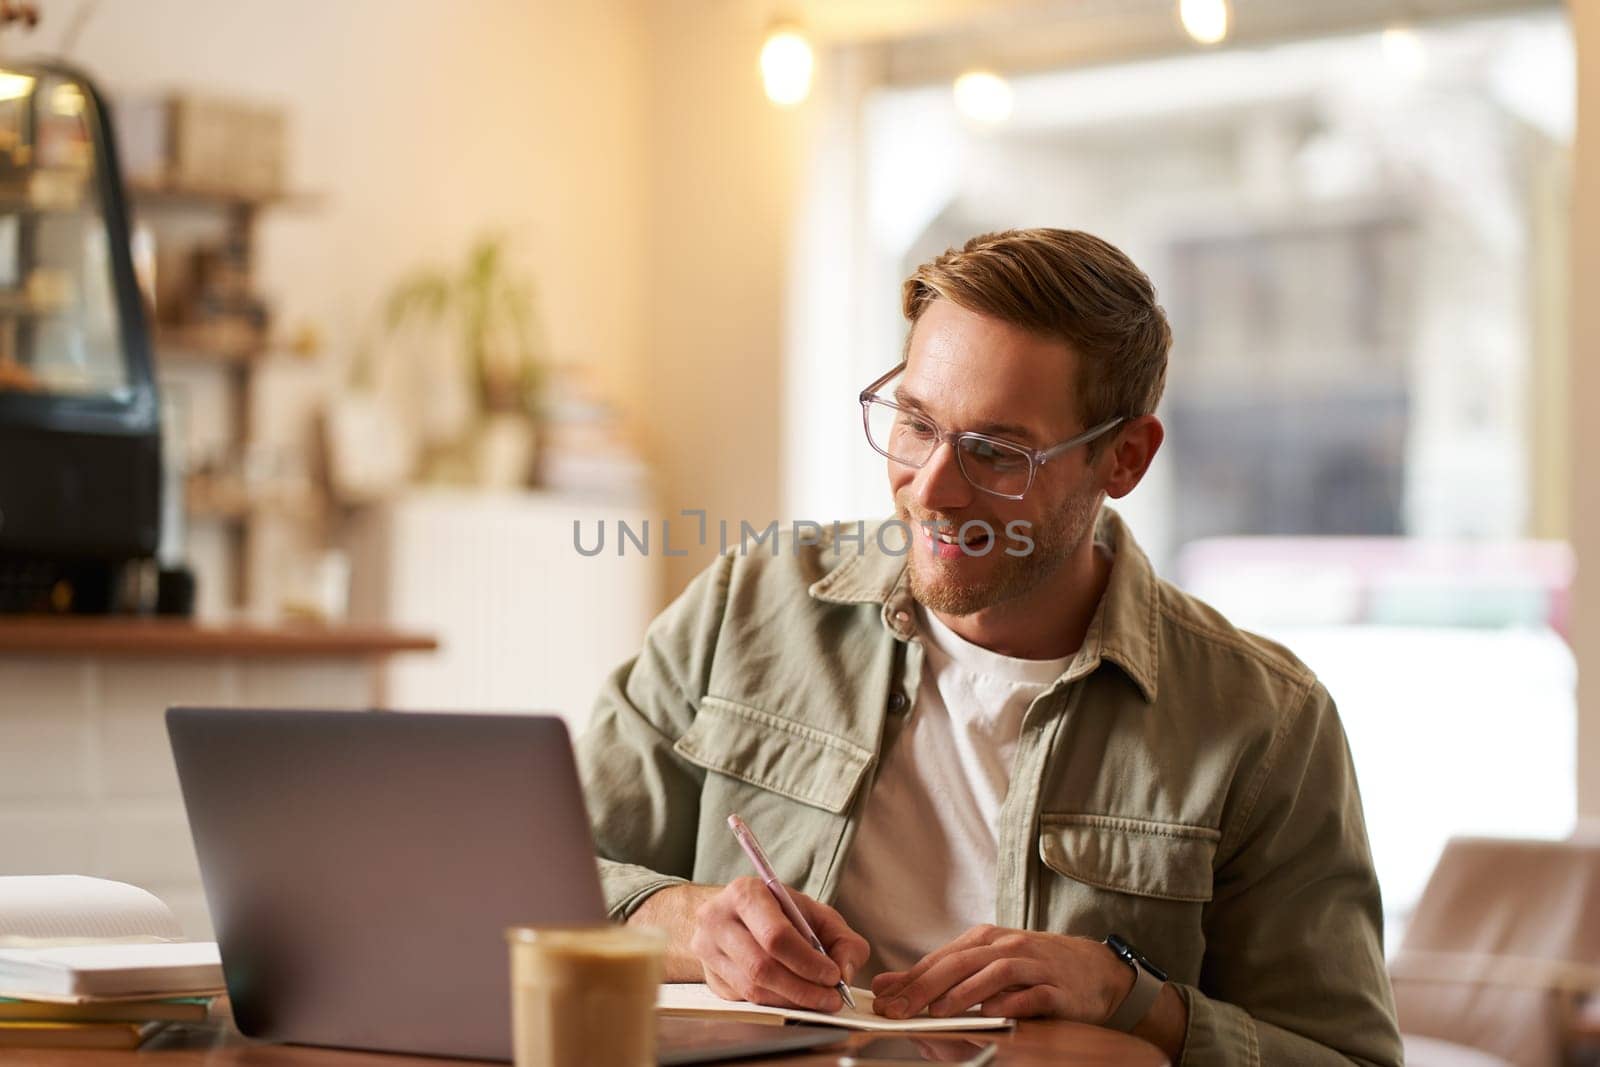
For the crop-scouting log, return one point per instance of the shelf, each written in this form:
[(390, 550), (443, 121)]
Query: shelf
[(220, 500), (158, 194), (222, 357), (19, 305), (157, 637), (22, 205), (193, 346), (47, 191)]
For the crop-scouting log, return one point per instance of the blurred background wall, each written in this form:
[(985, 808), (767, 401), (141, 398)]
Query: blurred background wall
[(418, 128)]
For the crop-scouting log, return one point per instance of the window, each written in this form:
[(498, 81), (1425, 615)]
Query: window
[(1360, 244)]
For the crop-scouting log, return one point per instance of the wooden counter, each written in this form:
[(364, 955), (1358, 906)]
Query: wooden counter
[(162, 637)]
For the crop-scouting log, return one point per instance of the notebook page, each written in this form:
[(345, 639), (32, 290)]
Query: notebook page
[(695, 997), (64, 909)]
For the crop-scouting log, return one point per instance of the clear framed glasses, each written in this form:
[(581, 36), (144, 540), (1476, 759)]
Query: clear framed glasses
[(993, 464)]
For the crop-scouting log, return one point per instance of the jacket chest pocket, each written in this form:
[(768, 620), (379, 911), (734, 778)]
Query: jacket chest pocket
[(791, 782), (1147, 881)]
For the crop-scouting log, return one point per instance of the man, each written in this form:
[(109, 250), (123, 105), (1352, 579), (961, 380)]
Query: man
[(991, 763)]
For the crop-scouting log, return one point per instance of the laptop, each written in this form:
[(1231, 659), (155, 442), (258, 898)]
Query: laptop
[(360, 869)]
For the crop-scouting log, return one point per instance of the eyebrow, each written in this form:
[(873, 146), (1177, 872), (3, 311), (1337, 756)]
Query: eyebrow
[(993, 429)]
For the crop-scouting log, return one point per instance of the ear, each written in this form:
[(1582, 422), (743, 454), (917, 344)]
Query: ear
[(1129, 457)]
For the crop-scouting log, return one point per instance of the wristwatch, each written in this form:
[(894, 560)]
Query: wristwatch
[(1147, 982)]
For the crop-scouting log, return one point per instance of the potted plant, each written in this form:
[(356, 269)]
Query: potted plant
[(484, 315)]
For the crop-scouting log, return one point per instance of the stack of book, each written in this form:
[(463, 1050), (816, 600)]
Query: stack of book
[(89, 963), (92, 1024), (584, 446)]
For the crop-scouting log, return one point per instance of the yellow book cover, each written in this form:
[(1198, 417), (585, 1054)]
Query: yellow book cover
[(191, 1010), (16, 1034)]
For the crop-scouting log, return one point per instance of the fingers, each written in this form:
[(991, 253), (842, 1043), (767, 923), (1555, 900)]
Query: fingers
[(944, 975), (748, 974), (1002, 976), (750, 951), (1011, 973), (888, 983), (892, 984), (1022, 1003), (778, 938), (848, 949)]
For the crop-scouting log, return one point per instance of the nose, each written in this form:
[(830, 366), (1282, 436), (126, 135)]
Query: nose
[(940, 483)]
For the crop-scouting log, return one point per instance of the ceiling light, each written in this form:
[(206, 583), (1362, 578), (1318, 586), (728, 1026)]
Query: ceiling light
[(983, 96), (1205, 20), (14, 86), (1403, 50), (786, 63), (67, 99)]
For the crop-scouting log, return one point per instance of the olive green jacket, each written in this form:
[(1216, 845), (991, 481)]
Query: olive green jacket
[(1184, 784)]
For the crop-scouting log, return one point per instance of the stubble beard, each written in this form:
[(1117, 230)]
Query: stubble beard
[(937, 585)]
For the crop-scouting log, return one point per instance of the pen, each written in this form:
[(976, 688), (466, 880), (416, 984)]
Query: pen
[(752, 848)]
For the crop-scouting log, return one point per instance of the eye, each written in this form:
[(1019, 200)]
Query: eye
[(916, 424), (996, 457)]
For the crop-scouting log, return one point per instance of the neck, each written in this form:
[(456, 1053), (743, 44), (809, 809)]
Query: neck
[(1049, 622)]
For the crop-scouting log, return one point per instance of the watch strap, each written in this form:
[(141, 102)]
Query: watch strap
[(1137, 1004)]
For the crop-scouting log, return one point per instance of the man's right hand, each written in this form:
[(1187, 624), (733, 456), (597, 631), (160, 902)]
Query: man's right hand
[(746, 948)]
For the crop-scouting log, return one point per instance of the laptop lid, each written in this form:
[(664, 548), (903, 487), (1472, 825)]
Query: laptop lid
[(361, 867)]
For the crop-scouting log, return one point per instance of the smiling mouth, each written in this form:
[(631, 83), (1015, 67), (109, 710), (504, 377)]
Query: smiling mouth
[(944, 544)]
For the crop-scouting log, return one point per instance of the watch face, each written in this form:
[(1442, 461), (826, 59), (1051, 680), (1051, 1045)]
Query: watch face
[(1133, 957)]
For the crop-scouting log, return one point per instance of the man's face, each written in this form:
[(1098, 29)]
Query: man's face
[(967, 371)]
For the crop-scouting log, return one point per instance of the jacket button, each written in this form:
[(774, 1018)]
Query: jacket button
[(902, 617), (897, 701)]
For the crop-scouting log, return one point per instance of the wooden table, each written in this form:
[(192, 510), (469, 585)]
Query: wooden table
[(1031, 1044)]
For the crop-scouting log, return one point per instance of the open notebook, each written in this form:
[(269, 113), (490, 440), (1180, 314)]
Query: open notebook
[(74, 939), (696, 1000)]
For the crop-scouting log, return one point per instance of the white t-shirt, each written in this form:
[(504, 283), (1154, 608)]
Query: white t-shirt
[(921, 870)]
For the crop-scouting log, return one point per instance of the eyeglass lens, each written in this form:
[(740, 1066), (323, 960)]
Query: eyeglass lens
[(910, 438)]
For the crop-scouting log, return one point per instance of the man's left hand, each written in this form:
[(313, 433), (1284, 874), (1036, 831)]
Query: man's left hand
[(1010, 973)]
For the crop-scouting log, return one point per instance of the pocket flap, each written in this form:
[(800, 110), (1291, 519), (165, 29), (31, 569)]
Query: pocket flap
[(766, 750), (1170, 861)]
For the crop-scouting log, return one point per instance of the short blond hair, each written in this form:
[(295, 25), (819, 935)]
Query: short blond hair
[(1062, 284)]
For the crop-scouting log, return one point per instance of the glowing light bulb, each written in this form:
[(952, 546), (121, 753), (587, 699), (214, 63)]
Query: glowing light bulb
[(67, 100), (786, 65), (983, 96), (14, 86), (1204, 20), (1404, 52)]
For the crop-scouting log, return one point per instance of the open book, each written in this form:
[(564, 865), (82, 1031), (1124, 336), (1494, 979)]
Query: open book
[(696, 1000), (74, 939)]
